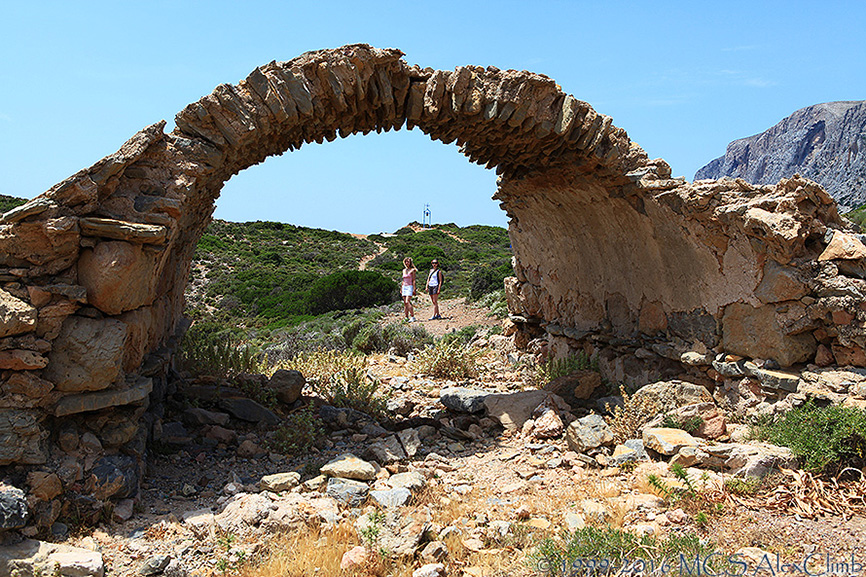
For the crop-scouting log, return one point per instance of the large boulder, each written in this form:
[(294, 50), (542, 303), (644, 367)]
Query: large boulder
[(287, 385), (119, 276), (670, 395), (30, 557), (463, 399), (87, 355), (757, 333), (512, 410)]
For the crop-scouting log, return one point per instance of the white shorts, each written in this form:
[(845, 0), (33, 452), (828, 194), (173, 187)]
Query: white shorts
[(407, 290)]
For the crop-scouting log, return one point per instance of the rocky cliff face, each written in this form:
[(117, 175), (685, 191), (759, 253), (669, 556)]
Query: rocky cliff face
[(825, 142)]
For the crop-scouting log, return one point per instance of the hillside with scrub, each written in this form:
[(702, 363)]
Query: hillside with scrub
[(269, 275)]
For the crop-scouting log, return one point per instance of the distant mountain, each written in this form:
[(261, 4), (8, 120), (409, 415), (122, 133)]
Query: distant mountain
[(825, 142)]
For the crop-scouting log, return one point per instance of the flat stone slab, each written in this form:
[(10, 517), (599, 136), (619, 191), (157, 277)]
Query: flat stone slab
[(84, 402), (30, 557)]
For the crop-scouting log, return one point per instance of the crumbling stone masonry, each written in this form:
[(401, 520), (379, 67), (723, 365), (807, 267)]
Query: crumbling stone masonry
[(611, 252)]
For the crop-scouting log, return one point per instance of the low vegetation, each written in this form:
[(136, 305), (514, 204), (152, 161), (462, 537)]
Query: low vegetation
[(448, 360), (354, 389), (627, 419), (555, 368), (824, 439), (611, 551), (207, 349), (687, 424), (298, 432), (7, 203)]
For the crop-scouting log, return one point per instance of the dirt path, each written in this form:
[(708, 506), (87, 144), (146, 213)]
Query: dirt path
[(456, 314), (362, 264)]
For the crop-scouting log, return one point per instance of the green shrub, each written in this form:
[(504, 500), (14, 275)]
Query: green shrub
[(448, 361), (424, 255), (349, 289), (743, 486), (858, 216), (488, 278), (495, 302), (298, 432), (403, 338), (354, 389), (207, 349), (554, 368), (824, 439), (7, 203), (461, 337)]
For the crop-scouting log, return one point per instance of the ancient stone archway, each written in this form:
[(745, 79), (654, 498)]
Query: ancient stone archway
[(612, 254)]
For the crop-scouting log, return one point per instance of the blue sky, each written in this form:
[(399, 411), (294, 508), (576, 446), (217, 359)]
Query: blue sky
[(683, 78)]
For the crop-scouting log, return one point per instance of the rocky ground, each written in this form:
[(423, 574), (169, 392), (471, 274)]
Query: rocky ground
[(465, 478), (456, 314)]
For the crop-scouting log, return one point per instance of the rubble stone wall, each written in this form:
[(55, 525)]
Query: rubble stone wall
[(606, 242)]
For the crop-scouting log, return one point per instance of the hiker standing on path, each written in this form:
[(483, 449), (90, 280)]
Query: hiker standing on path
[(435, 278), (407, 289)]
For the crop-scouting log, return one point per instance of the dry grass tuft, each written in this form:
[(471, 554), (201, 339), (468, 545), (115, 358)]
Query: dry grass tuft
[(634, 413)]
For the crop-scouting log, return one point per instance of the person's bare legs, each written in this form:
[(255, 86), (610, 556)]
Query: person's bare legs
[(408, 309), (435, 299)]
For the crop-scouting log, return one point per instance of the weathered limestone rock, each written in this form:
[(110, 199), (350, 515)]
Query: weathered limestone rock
[(22, 360), (670, 395), (843, 247), (119, 276), (463, 399), (122, 230), (667, 441), (352, 493), (280, 481), (30, 558), (755, 332), (780, 284), (16, 316), (45, 486), (348, 466), (87, 355), (42, 247), (26, 383), (588, 433), (21, 437)]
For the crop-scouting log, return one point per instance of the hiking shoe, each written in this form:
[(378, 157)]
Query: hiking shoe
[(433, 318)]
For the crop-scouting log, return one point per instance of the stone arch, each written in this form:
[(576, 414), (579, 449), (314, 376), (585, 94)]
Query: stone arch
[(612, 255)]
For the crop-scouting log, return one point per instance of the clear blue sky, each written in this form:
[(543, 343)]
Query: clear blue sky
[(683, 78)]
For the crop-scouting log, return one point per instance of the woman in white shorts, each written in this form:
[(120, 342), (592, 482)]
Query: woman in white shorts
[(407, 289)]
